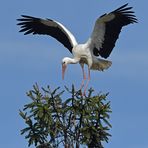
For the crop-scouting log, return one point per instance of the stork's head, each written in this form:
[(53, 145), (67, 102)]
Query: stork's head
[(67, 61)]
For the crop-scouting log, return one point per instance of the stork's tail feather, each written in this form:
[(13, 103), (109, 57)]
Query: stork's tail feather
[(101, 64), (104, 64)]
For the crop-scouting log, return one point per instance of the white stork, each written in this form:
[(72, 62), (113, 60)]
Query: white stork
[(101, 42)]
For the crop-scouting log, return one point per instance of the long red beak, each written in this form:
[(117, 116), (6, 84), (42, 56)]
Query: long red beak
[(63, 70)]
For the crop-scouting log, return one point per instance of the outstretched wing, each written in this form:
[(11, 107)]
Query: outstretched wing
[(49, 27), (107, 29)]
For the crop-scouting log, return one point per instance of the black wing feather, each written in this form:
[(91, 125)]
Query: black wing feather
[(123, 17), (29, 24)]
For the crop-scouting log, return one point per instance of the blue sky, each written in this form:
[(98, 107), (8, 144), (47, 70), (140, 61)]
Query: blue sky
[(25, 60)]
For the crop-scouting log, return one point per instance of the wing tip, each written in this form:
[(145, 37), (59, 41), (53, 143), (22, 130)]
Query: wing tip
[(126, 14), (123, 6)]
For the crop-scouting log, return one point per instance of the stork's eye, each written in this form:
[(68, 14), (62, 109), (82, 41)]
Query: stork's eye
[(63, 62)]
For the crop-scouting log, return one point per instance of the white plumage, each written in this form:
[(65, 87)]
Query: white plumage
[(101, 42)]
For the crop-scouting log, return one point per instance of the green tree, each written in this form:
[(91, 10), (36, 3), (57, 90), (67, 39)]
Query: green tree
[(53, 121)]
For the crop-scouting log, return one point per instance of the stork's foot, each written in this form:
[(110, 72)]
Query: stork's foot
[(84, 94), (81, 93)]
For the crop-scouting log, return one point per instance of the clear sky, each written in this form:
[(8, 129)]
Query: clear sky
[(25, 60)]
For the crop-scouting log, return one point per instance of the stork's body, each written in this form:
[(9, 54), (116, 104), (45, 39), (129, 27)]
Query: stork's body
[(83, 54), (101, 42)]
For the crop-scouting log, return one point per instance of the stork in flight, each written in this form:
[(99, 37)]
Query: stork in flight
[(101, 42)]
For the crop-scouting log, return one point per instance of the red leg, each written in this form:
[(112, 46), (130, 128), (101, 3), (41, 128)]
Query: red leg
[(87, 82), (84, 76)]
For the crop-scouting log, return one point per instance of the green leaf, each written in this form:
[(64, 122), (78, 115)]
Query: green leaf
[(61, 120)]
